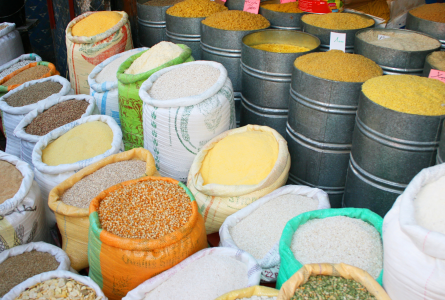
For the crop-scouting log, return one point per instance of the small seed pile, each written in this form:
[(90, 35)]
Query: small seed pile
[(339, 66), (33, 93), (162, 2), (184, 81), (432, 12), (59, 288), (109, 72), (83, 191), (195, 8), (236, 20), (437, 60), (10, 180), (15, 67), (27, 75), (339, 240), (3, 26), (290, 7), (281, 48), (400, 40), (58, 115), (342, 21), (17, 269), (331, 287), (145, 210), (261, 230)]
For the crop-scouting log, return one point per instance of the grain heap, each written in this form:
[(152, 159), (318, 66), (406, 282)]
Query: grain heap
[(15, 67), (240, 159), (58, 115), (351, 241), (145, 210), (189, 80), (195, 8), (10, 181), (400, 40), (33, 93), (378, 8), (16, 269), (290, 7), (236, 20), (407, 94), (432, 12), (155, 57), (82, 142), (162, 2), (83, 191), (281, 48), (27, 75), (96, 23), (206, 278), (258, 298), (437, 60), (339, 66), (338, 21), (261, 230), (109, 72)]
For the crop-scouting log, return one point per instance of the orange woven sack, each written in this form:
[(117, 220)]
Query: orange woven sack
[(119, 265)]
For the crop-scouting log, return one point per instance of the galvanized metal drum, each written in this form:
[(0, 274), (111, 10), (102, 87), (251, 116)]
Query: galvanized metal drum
[(392, 61), (235, 4), (441, 151), (434, 29), (266, 76), (282, 20), (185, 31), (151, 24), (319, 130), (324, 35), (389, 148), (428, 66)]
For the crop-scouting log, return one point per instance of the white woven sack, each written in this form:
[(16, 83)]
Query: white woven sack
[(49, 176), (31, 57), (11, 45), (20, 288), (22, 217), (28, 141), (179, 128), (12, 116), (106, 94), (414, 257), (253, 270), (270, 263)]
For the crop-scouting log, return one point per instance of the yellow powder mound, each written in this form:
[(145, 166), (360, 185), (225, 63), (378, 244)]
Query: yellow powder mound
[(96, 23), (195, 8)]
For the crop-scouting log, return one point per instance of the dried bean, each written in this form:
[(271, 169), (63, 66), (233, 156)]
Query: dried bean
[(28, 75), (33, 93)]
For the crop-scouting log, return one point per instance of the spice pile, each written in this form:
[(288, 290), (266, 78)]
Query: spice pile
[(236, 20), (206, 278), (83, 191), (186, 81), (195, 8), (96, 23), (261, 230), (432, 12), (109, 72), (58, 115), (10, 181), (437, 60), (27, 75), (400, 40), (281, 48), (338, 21), (162, 2), (33, 93), (16, 269), (15, 67), (331, 287), (290, 7), (145, 210)]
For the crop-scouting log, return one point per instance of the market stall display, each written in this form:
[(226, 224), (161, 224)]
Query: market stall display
[(282, 16), (18, 63), (434, 60), (11, 45)]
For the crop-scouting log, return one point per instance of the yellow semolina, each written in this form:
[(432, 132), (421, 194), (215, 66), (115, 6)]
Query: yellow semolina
[(96, 23)]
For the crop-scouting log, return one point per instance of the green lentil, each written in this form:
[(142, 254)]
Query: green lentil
[(331, 287)]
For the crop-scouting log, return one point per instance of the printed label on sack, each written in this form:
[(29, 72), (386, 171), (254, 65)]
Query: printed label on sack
[(338, 41), (382, 37), (252, 6), (436, 74), (321, 6)]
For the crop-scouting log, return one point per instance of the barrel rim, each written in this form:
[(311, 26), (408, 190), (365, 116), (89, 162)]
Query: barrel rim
[(423, 20), (282, 12), (316, 145), (281, 112), (184, 18), (232, 31), (277, 77)]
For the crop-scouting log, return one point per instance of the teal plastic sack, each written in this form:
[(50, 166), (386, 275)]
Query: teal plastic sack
[(130, 104), (289, 264)]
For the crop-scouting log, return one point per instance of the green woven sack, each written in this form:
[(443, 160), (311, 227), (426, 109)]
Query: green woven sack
[(289, 264), (130, 104)]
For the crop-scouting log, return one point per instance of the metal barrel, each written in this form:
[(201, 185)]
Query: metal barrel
[(441, 151), (235, 4), (428, 66), (389, 148), (224, 46), (392, 61), (185, 31), (324, 35), (266, 76), (434, 29), (319, 130), (282, 20), (151, 24)]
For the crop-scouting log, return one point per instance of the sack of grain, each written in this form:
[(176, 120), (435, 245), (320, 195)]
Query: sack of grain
[(264, 220), (119, 264), (10, 43), (257, 290), (73, 220), (63, 281), (50, 176), (103, 84), (28, 141), (13, 113), (198, 118), (193, 285), (216, 202), (414, 239), (353, 236), (17, 63), (130, 103), (287, 290), (86, 52), (22, 217)]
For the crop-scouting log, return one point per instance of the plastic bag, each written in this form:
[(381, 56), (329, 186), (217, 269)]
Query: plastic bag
[(197, 120), (10, 43), (270, 263), (29, 57), (256, 290)]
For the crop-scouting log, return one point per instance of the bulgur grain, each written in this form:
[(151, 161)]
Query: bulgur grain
[(33, 93), (281, 48), (10, 181), (236, 20), (290, 7), (437, 60), (195, 8), (432, 12), (27, 75), (339, 21), (15, 67)]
